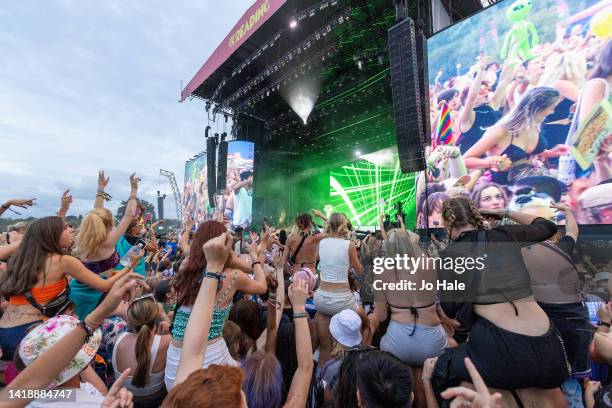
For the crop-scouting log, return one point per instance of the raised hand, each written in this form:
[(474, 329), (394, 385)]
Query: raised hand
[(118, 396), (134, 180), (23, 203), (102, 181), (66, 199), (560, 207), (481, 398), (189, 223), (318, 213), (298, 292), (121, 290), (217, 251), (499, 163)]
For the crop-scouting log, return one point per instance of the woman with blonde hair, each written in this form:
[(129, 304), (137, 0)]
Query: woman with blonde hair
[(144, 352), (95, 243)]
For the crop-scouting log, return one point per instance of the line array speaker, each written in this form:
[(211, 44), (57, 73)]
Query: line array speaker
[(211, 174)]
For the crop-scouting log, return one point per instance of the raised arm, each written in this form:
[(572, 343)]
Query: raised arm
[(466, 117), (193, 352), (152, 244), (571, 226), (505, 79), (184, 239), (354, 259), (101, 194), (300, 384), (130, 210), (241, 184), (65, 202), (381, 224), (49, 364), (257, 286), (17, 203), (75, 268), (319, 214), (532, 228)]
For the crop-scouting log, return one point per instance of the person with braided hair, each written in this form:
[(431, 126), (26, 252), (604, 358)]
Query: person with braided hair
[(511, 340)]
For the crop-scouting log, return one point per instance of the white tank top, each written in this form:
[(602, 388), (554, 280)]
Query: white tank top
[(156, 380), (334, 260)]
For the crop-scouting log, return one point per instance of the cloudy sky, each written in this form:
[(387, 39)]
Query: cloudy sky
[(88, 85)]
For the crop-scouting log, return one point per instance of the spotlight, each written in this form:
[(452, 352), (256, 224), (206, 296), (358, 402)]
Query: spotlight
[(293, 24), (357, 153), (360, 64)]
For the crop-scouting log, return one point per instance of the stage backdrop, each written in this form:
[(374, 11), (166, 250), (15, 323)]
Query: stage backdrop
[(520, 111), (357, 188), (195, 193)]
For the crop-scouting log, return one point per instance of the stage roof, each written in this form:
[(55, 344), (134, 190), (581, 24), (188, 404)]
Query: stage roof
[(338, 47)]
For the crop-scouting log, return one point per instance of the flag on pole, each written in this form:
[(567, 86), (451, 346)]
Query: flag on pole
[(444, 130)]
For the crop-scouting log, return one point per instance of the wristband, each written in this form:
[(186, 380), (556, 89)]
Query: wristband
[(604, 324), (213, 275), (133, 197), (88, 330), (255, 263), (299, 315), (426, 379)]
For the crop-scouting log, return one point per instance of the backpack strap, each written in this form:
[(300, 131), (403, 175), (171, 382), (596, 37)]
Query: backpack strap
[(297, 251)]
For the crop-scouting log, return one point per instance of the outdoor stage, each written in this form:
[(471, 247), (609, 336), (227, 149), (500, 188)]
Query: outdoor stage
[(330, 58)]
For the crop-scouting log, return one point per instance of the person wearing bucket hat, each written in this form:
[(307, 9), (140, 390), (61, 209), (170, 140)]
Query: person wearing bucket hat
[(345, 328), (539, 178)]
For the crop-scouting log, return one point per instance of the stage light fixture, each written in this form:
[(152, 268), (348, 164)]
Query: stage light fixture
[(360, 64), (293, 24), (206, 132), (357, 153)]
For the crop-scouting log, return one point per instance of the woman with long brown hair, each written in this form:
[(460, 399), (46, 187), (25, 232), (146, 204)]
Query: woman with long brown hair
[(187, 285), (37, 275), (144, 352)]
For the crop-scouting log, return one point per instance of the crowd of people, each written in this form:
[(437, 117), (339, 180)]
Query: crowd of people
[(289, 318), (523, 134)]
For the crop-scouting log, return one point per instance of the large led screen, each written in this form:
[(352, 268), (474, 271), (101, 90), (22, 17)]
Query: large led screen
[(195, 192), (239, 192), (370, 186), (520, 111)]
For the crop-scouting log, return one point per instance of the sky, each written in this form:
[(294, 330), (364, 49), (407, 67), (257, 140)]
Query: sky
[(90, 85)]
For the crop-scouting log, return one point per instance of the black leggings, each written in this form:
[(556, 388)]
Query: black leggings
[(504, 359)]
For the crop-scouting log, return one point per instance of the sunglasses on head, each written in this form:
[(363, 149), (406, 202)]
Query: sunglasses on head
[(148, 295)]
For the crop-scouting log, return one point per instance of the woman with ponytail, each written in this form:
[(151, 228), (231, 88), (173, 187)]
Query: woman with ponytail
[(511, 340), (95, 244), (144, 352)]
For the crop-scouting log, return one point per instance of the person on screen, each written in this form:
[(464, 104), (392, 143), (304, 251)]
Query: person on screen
[(481, 104), (243, 200), (516, 136), (490, 196)]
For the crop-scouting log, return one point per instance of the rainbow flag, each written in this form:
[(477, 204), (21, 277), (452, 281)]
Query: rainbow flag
[(444, 130)]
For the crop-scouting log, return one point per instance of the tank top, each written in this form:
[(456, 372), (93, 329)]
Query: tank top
[(334, 260), (156, 380)]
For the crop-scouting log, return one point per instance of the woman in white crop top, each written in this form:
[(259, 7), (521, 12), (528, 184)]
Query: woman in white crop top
[(142, 350), (337, 254)]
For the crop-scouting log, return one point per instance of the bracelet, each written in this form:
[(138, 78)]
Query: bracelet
[(255, 263), (88, 330), (213, 275), (133, 197), (426, 379), (604, 324), (299, 315)]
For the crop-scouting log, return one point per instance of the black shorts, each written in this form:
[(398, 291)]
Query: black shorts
[(504, 359)]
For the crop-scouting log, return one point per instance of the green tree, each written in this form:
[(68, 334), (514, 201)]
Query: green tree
[(147, 205)]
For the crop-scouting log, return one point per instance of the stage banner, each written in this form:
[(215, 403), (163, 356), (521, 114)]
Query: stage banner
[(254, 18)]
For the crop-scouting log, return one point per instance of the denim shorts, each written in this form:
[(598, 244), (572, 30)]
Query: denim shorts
[(10, 337)]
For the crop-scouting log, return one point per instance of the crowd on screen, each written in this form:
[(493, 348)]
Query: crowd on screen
[(288, 318), (504, 132)]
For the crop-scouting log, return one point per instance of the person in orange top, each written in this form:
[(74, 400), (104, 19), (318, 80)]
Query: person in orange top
[(41, 269)]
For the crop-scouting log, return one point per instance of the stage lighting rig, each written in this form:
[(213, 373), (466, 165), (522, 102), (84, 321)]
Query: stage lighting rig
[(206, 132)]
